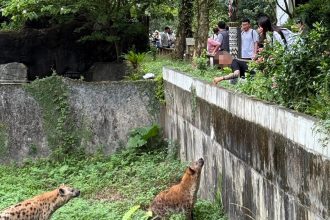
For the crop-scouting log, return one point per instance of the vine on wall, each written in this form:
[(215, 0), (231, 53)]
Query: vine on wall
[(52, 95), (3, 139), (193, 102)]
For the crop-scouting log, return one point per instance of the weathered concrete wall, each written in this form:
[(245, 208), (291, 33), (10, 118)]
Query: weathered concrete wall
[(107, 110), (265, 160)]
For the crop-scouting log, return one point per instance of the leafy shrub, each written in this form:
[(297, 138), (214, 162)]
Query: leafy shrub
[(201, 62), (296, 77), (135, 59), (208, 210), (62, 133), (147, 138), (153, 52), (315, 11)]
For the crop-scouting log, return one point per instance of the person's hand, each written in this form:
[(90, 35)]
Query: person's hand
[(260, 49), (216, 80), (260, 60)]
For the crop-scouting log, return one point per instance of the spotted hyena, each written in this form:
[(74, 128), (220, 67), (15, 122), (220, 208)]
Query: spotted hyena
[(40, 207), (180, 198)]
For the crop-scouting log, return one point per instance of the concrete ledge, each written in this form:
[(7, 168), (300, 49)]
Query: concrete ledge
[(295, 126), (265, 159)]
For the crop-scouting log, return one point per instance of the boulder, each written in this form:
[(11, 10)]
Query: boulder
[(13, 72)]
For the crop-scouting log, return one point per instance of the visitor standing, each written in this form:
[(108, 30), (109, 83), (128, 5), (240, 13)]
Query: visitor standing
[(215, 33), (171, 38), (223, 36), (249, 40), (164, 38), (273, 33)]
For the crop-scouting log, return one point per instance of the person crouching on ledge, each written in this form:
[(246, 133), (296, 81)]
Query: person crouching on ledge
[(238, 67)]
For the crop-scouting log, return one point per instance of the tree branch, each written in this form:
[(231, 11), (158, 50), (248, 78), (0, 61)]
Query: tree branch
[(287, 10)]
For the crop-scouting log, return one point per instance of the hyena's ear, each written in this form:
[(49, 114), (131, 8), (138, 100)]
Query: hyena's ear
[(61, 191), (191, 171)]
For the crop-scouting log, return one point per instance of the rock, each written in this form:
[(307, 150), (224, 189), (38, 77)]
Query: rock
[(57, 48), (13, 72), (107, 71), (44, 50)]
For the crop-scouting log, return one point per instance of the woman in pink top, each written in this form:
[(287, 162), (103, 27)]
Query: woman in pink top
[(212, 43), (212, 46)]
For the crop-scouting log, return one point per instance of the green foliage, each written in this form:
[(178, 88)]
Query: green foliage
[(297, 77), (315, 11), (136, 213), (130, 212), (252, 9), (52, 95), (149, 65), (21, 11), (193, 101), (135, 59), (146, 137), (156, 67), (163, 14), (201, 62), (208, 210), (111, 18), (173, 149), (177, 217), (153, 52), (33, 149), (3, 140), (219, 12), (160, 93), (258, 85), (115, 21)]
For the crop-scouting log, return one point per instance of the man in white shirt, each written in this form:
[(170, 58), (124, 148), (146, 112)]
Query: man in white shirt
[(249, 41), (164, 38)]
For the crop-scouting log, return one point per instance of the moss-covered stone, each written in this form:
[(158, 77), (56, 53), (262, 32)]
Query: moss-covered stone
[(52, 95), (3, 140)]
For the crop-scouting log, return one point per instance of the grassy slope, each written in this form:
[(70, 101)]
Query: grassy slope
[(156, 67), (110, 186)]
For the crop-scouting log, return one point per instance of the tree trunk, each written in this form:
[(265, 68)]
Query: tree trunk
[(184, 29), (287, 8), (119, 49), (202, 26)]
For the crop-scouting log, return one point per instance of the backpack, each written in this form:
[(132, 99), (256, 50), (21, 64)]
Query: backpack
[(288, 36), (225, 41)]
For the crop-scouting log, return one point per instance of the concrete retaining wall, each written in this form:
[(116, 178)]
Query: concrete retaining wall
[(108, 110), (266, 160)]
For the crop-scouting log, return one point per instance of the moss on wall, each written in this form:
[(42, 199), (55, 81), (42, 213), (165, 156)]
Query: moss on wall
[(3, 140), (150, 89), (62, 134)]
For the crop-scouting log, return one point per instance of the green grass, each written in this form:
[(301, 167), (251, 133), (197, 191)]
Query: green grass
[(156, 67), (110, 186)]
